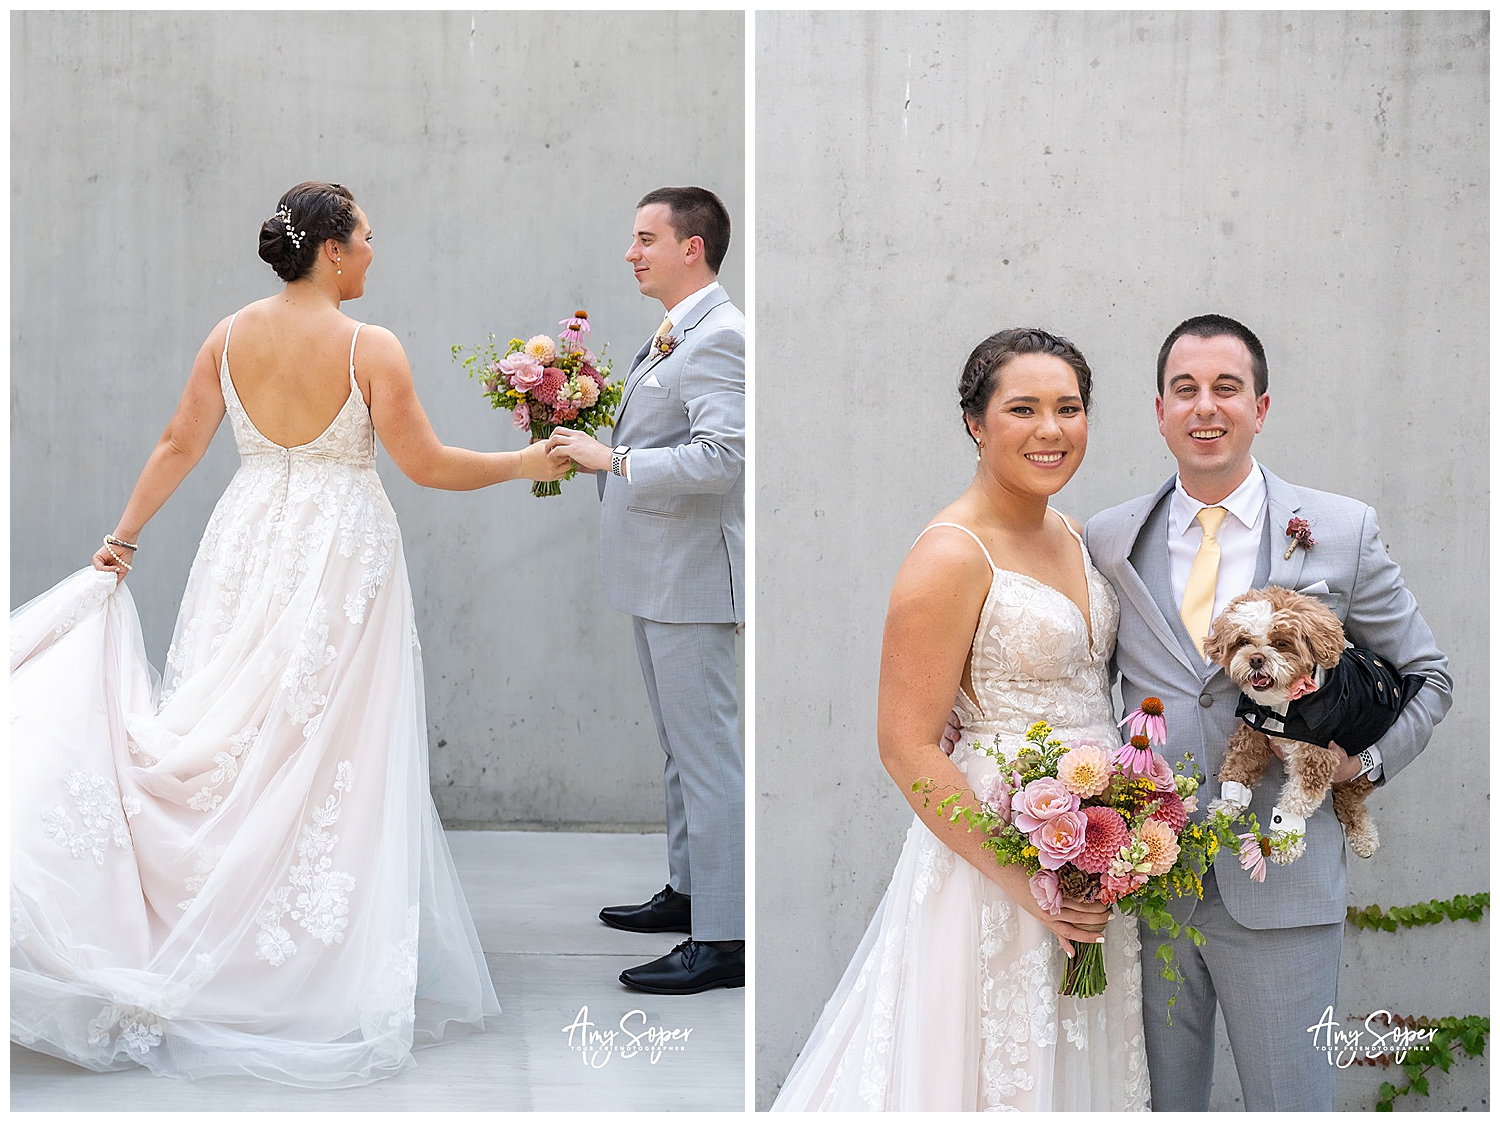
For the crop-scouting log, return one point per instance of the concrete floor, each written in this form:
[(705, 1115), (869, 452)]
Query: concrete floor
[(535, 898)]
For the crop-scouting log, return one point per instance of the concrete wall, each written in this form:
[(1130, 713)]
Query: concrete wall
[(499, 157), (924, 180)]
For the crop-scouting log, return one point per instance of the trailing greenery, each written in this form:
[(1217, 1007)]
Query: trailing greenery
[(1441, 1037), (1470, 908), (1444, 1036)]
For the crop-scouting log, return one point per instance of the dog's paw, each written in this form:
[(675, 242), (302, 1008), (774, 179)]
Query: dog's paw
[(1364, 842), (1287, 846), (1234, 794), (1286, 821)]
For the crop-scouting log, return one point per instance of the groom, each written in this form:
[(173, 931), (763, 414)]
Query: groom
[(672, 540), (1214, 530)]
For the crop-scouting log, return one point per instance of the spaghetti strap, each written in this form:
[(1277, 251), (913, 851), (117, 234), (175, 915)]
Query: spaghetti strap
[(971, 534), (224, 355), (1068, 526), (352, 341)]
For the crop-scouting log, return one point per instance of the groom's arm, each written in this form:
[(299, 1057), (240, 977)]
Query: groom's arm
[(713, 393), (1383, 617)]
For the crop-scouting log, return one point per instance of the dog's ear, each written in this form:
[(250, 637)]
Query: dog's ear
[(1222, 638), (1324, 634)]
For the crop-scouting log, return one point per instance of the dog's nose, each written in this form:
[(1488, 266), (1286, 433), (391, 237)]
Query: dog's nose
[(1256, 662)]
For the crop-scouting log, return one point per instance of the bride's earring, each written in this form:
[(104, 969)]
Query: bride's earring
[(336, 267)]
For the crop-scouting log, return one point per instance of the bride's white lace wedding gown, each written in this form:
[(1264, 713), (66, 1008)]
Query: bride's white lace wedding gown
[(951, 1001), (241, 871)]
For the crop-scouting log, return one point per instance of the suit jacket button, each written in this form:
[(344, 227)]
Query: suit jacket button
[(1205, 700)]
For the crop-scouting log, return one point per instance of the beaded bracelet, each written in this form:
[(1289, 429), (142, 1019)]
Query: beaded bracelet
[(110, 539), (118, 559)]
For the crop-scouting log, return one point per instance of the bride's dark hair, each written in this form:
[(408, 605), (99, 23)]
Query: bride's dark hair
[(982, 372), (306, 216)]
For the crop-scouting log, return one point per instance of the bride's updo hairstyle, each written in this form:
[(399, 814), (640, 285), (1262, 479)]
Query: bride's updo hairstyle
[(982, 372), (307, 216)]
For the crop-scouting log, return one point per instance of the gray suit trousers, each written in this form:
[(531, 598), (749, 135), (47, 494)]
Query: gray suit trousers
[(1274, 985), (690, 678)]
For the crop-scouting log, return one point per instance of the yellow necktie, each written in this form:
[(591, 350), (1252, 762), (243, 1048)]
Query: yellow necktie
[(662, 332), (1203, 578)]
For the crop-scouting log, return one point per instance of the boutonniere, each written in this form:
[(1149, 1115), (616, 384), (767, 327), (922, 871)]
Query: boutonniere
[(1300, 531), (664, 345)]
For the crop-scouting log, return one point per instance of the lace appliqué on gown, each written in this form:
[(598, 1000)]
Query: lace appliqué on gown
[(951, 1002), (217, 854)]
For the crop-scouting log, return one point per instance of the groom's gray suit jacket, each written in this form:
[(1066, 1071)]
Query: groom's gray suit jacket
[(1155, 657), (672, 539)]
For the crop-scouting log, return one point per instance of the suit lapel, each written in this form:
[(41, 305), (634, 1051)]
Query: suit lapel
[(652, 356), (1147, 580), (1282, 502)]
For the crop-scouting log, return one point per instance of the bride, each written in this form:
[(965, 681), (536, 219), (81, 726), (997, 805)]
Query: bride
[(951, 1000), (240, 869)]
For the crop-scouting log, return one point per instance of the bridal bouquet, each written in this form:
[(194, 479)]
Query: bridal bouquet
[(546, 382), (1095, 822)]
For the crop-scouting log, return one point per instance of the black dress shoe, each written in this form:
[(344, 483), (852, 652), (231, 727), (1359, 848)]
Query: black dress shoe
[(691, 968), (666, 911)]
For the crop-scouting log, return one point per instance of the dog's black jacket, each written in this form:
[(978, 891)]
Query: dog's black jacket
[(1355, 706)]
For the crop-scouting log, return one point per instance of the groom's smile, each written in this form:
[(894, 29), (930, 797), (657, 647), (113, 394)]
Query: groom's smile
[(1209, 413)]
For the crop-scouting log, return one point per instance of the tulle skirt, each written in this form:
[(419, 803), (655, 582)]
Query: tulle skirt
[(246, 875)]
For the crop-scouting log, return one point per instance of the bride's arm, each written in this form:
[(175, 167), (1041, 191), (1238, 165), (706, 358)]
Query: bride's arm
[(407, 434), (929, 628), (181, 446)]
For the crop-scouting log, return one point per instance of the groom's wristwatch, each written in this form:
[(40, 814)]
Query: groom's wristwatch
[(617, 460), (1366, 762)]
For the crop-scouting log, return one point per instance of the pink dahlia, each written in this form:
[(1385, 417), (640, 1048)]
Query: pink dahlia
[(1085, 769), (1102, 840), (553, 380), (1171, 811), (1161, 845)]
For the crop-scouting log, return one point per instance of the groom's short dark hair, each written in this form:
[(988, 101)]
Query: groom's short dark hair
[(1211, 327), (696, 213)]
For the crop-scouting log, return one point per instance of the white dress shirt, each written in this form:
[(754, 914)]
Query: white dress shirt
[(677, 314), (1239, 537), (1239, 545)]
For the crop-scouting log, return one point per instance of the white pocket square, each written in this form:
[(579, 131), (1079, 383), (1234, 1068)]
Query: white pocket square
[(650, 380), (1318, 589)]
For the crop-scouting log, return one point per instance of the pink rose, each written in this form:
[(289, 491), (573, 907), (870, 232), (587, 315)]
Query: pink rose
[(1047, 891), (523, 371), (521, 417), (1060, 839), (1161, 773), (1190, 804), (1040, 800), (993, 792)]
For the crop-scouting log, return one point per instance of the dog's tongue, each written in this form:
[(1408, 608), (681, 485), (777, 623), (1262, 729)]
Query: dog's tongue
[(1301, 688)]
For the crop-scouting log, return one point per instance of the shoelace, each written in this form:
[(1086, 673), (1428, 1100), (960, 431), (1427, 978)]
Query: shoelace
[(689, 951)]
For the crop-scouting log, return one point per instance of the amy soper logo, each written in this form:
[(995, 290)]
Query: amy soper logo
[(632, 1038), (1379, 1036)]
